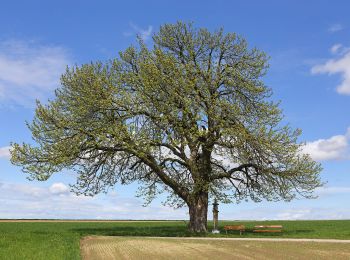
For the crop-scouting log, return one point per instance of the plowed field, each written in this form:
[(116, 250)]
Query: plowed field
[(165, 248)]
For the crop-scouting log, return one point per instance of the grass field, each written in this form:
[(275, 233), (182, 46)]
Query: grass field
[(60, 240)]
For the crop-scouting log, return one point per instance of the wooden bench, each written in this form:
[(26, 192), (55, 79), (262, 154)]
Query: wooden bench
[(240, 228), (268, 229)]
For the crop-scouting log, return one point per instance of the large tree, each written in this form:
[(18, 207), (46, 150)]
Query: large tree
[(190, 116)]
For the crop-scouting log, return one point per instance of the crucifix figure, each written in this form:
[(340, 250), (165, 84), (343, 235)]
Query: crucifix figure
[(215, 217)]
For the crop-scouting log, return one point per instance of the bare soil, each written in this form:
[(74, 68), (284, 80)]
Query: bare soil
[(102, 247)]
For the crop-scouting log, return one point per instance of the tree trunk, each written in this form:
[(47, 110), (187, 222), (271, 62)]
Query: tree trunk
[(198, 210)]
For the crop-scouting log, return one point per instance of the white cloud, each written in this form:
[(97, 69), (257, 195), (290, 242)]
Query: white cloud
[(59, 188), (5, 152), (145, 34), (29, 71), (335, 28), (336, 47), (285, 212), (333, 148), (31, 201), (313, 213), (339, 65), (55, 201), (293, 214)]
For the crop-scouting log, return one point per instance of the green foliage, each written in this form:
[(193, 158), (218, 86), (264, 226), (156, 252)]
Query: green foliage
[(189, 116)]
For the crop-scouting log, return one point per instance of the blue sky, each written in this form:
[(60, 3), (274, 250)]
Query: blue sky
[(309, 45)]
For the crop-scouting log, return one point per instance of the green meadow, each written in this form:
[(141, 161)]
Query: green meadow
[(61, 240)]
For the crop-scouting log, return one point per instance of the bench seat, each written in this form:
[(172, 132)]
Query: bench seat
[(268, 229), (240, 228)]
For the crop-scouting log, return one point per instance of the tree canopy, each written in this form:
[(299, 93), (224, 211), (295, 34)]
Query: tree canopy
[(190, 115)]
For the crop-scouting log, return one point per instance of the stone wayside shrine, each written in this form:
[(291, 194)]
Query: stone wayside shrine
[(215, 217)]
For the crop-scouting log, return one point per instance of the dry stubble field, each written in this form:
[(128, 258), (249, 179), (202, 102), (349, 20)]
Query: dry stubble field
[(102, 247)]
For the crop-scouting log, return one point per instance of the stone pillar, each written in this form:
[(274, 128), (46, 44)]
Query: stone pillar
[(215, 217)]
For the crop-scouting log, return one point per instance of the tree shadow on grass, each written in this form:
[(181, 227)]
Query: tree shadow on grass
[(161, 231), (178, 231), (286, 233)]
